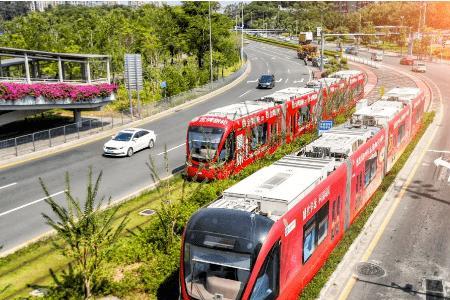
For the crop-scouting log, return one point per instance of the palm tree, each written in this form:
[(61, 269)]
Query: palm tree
[(87, 234)]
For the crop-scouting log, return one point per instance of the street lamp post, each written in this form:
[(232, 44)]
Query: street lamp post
[(242, 35), (210, 43)]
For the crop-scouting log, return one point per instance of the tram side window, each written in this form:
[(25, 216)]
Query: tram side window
[(371, 169), (305, 115), (258, 136), (314, 232), (227, 152), (274, 132), (400, 134), (267, 284)]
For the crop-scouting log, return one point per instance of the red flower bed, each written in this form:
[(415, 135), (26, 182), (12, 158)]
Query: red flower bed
[(57, 91)]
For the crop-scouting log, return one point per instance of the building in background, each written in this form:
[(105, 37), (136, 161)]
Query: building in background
[(42, 5), (346, 7)]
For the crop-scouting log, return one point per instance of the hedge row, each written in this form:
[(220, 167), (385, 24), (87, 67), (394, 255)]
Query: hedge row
[(286, 44)]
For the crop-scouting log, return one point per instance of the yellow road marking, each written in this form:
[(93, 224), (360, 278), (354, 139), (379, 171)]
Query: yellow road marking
[(351, 282)]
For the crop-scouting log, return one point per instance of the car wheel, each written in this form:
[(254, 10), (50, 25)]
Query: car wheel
[(151, 144), (130, 152)]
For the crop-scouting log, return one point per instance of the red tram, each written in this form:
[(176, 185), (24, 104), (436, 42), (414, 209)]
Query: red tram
[(227, 139), (268, 235)]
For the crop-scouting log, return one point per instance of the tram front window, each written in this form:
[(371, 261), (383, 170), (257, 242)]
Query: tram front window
[(203, 142), (215, 274)]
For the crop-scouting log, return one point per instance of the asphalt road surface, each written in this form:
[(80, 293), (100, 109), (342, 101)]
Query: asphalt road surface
[(21, 197), (415, 245)]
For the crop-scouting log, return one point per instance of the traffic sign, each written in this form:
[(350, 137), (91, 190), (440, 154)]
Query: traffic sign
[(163, 84), (325, 125), (133, 72), (319, 31)]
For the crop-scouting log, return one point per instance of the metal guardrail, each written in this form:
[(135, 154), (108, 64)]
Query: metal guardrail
[(362, 60), (40, 140)]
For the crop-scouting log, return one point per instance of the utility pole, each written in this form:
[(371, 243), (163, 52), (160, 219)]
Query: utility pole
[(242, 35), (401, 35), (210, 43)]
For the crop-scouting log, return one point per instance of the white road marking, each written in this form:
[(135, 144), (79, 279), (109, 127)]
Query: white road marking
[(31, 203), (301, 80), (273, 57), (289, 71), (439, 151), (173, 148), (245, 93), (252, 81), (8, 185), (286, 80), (279, 80)]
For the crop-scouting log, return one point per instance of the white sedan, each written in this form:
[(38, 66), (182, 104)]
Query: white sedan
[(128, 141)]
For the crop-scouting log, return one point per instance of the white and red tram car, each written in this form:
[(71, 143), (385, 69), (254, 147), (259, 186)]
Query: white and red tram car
[(268, 235), (227, 139)]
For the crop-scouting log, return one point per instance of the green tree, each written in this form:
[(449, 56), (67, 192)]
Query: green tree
[(86, 233)]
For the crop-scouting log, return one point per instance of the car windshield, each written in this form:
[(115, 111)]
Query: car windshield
[(210, 272), (203, 142), (123, 136), (265, 78)]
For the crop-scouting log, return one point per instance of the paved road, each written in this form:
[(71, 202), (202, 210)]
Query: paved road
[(21, 196), (416, 242)]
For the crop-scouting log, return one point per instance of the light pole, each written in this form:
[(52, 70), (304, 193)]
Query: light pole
[(242, 35), (210, 43)]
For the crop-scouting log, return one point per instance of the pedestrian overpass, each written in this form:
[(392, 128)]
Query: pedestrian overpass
[(32, 82)]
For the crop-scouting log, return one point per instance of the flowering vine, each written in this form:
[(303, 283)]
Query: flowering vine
[(57, 91)]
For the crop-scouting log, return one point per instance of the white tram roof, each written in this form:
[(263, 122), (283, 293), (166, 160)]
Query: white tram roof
[(380, 109), (341, 141), (275, 189), (405, 94), (345, 74), (322, 82), (238, 110), (287, 94)]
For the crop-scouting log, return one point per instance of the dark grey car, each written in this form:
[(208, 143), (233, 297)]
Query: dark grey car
[(266, 82)]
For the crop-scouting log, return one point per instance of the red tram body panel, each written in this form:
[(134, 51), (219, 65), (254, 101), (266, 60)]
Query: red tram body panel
[(269, 234), (227, 139)]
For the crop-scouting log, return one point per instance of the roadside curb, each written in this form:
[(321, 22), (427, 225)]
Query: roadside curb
[(103, 134)]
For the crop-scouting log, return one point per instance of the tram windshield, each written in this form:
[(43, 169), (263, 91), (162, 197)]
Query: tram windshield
[(203, 142), (215, 274)]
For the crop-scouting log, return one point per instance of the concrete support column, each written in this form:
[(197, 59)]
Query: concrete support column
[(108, 73), (60, 70), (77, 117), (27, 68), (88, 72)]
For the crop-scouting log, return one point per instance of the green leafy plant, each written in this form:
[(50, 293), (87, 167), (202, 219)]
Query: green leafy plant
[(87, 235)]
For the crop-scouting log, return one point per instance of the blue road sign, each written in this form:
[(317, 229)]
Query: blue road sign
[(325, 125), (163, 84)]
